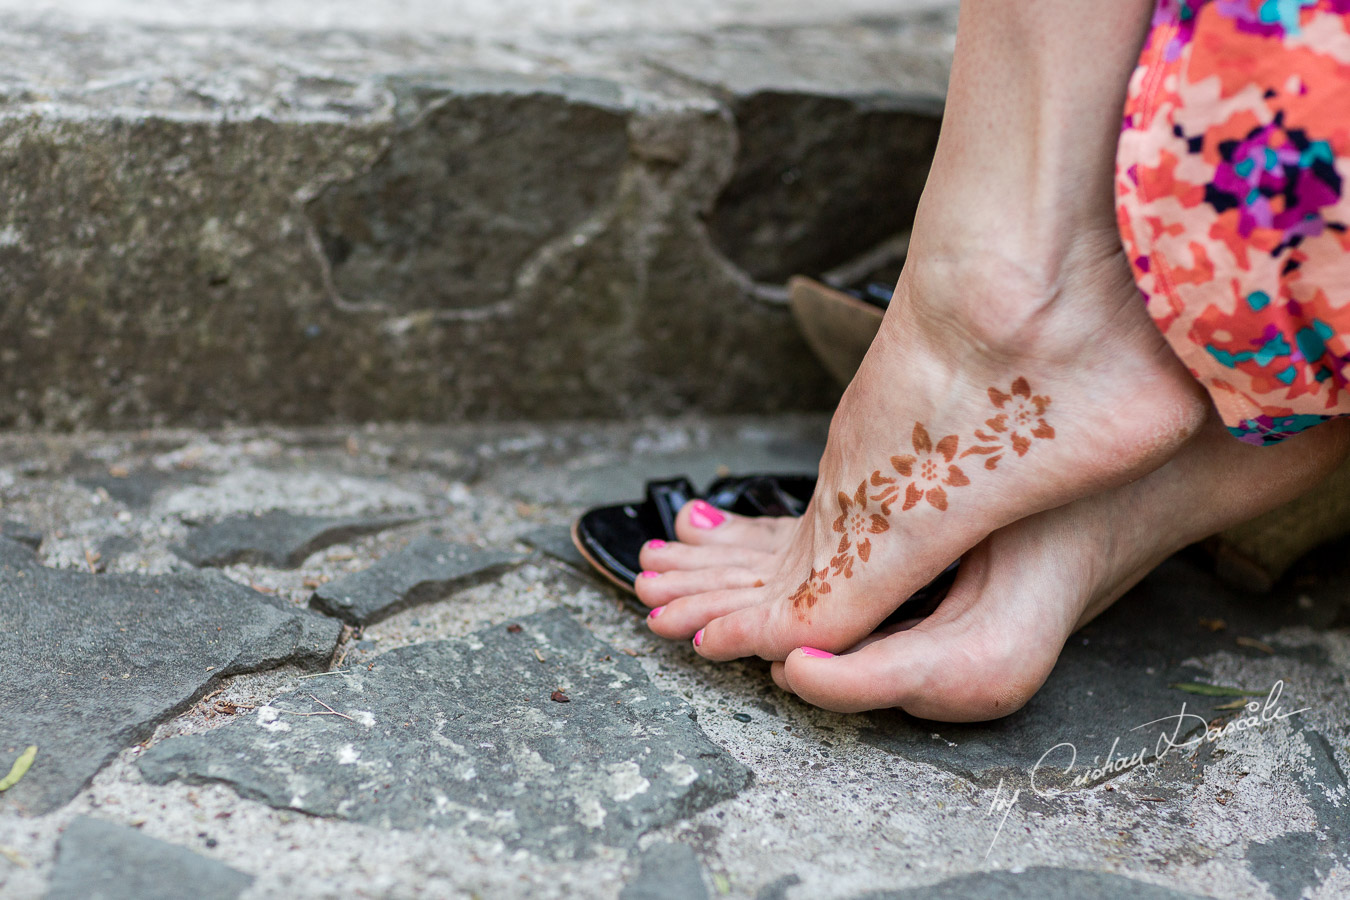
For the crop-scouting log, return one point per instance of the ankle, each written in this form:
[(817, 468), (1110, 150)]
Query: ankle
[(987, 296)]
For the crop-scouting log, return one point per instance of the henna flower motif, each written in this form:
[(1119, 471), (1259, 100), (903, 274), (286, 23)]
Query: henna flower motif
[(855, 525), (930, 468), (1022, 418), (813, 588)]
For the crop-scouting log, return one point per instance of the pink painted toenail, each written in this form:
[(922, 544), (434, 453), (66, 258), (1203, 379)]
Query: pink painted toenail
[(656, 544), (705, 515), (650, 574), (656, 612), (698, 638), (818, 654)]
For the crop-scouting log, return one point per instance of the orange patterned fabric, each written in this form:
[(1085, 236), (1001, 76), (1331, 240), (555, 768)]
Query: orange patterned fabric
[(1230, 187)]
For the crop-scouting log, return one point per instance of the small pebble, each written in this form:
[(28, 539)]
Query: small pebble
[(741, 717)]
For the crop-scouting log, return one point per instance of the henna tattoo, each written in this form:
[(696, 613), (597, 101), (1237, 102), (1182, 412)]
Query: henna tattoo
[(813, 588), (855, 525), (926, 474)]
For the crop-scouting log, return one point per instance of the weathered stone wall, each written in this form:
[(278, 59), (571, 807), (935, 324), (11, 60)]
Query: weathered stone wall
[(201, 227)]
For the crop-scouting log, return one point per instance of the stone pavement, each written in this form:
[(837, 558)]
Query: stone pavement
[(390, 677), (310, 211)]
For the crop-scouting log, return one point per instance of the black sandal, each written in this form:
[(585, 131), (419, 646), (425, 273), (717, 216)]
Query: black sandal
[(611, 537)]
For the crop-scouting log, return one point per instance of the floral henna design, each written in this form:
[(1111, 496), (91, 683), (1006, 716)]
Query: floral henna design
[(813, 588), (931, 469), (1022, 419), (856, 525)]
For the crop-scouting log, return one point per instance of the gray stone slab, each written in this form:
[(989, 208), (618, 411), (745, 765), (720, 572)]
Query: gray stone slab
[(779, 887), (608, 200), (115, 545), (21, 533), (464, 735), (278, 538), (137, 490), (98, 860), (1037, 883), (667, 872), (1297, 860), (1114, 675), (92, 663), (424, 571), (556, 541)]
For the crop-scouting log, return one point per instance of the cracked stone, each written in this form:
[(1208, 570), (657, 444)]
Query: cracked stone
[(425, 571), (278, 539), (93, 663), (1114, 675), (460, 735), (18, 531), (1040, 882), (98, 859), (667, 872)]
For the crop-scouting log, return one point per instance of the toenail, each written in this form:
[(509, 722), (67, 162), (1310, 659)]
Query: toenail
[(698, 638), (705, 515), (818, 654), (648, 573), (656, 612), (656, 544)]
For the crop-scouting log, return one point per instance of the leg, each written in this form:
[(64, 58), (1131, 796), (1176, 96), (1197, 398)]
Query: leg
[(1016, 369)]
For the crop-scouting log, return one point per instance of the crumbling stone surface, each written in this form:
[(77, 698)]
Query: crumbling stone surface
[(432, 226)]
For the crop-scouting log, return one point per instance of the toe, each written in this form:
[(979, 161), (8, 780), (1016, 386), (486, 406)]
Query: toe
[(683, 618), (878, 676), (951, 673), (702, 524), (659, 588), (666, 556), (755, 630)]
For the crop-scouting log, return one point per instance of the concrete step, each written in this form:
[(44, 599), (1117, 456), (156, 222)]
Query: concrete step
[(338, 211)]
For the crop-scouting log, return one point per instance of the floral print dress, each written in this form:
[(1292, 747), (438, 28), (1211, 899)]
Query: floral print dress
[(1232, 203)]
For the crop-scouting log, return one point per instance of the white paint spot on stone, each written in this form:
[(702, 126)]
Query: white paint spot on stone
[(681, 772), (269, 718), (590, 812), (626, 781)]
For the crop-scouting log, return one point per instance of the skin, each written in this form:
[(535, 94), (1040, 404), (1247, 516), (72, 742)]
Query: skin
[(1016, 291)]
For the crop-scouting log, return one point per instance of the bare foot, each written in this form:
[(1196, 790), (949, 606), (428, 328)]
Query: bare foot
[(1024, 590), (989, 395)]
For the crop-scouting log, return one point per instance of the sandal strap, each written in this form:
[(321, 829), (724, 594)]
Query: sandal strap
[(666, 498)]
